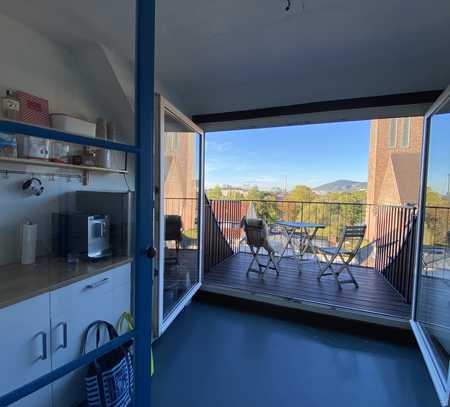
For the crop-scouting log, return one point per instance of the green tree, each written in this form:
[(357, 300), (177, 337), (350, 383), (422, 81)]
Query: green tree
[(436, 219), (348, 197), (235, 196), (215, 193), (267, 210), (255, 194), (296, 206), (301, 193)]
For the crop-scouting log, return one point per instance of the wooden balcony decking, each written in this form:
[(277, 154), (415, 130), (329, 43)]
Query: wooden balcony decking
[(374, 295)]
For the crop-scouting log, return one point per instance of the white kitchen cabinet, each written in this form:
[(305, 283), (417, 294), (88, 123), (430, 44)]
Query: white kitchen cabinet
[(25, 348), (101, 297)]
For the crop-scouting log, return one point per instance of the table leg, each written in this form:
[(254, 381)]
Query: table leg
[(289, 235), (309, 243)]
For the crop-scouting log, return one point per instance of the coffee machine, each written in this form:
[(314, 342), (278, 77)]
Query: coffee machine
[(81, 234)]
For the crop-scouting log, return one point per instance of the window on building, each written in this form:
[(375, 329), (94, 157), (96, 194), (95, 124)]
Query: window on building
[(392, 140), (405, 132), (172, 141)]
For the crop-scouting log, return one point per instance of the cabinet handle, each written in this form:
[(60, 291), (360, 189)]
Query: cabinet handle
[(97, 284), (64, 344), (43, 335)]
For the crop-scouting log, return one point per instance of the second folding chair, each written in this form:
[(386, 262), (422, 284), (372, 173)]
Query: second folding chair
[(346, 250)]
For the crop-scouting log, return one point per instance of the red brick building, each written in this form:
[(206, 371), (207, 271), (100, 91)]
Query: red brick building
[(181, 177), (394, 163)]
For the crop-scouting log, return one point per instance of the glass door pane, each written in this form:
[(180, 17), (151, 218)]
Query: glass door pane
[(180, 214), (433, 286)]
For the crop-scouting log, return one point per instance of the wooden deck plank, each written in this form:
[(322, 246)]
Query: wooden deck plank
[(373, 295), (295, 293), (370, 284)]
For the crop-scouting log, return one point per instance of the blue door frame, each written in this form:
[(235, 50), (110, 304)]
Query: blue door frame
[(144, 123)]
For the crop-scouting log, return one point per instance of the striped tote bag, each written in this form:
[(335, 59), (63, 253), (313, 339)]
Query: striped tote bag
[(109, 380)]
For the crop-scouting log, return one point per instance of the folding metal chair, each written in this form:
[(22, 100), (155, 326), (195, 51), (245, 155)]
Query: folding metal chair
[(353, 237), (256, 233)]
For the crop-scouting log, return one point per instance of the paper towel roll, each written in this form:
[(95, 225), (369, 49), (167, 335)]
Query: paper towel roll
[(29, 238)]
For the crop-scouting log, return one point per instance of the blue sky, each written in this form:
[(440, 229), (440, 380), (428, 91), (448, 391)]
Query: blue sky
[(438, 165), (309, 155)]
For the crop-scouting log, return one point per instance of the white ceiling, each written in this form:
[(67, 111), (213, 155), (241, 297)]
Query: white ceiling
[(226, 55), (230, 55)]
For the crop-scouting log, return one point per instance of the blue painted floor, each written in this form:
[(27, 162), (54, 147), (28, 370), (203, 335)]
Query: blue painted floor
[(213, 356)]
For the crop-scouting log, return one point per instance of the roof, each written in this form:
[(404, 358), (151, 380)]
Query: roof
[(406, 168), (230, 211)]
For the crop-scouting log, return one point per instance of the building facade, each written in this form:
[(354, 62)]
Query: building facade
[(181, 177), (394, 165), (394, 161)]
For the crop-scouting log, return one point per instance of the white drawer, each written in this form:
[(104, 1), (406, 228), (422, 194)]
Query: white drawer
[(73, 294)]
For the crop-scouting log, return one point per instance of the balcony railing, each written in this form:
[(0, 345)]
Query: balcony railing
[(387, 246), (335, 215)]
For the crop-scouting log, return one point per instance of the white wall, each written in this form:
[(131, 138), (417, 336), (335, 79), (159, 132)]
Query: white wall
[(32, 63), (35, 64), (88, 81), (17, 206)]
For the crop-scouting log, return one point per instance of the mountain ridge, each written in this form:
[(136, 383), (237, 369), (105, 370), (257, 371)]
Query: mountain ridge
[(341, 185)]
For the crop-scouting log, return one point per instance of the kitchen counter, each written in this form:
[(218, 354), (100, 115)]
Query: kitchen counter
[(20, 282)]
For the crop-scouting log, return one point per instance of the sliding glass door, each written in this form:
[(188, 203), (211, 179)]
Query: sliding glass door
[(431, 313), (180, 152)]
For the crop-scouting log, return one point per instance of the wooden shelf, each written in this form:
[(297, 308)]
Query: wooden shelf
[(43, 163)]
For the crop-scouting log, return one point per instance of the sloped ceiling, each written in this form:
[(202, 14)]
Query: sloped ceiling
[(77, 23), (225, 55)]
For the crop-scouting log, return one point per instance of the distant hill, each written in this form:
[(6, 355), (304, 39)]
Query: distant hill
[(341, 185)]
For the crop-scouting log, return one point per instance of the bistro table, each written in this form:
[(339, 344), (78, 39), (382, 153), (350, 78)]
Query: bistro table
[(305, 232)]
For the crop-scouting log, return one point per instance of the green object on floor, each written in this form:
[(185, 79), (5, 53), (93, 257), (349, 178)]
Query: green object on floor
[(127, 318)]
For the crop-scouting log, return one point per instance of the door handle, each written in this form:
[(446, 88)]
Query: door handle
[(64, 327), (97, 283), (150, 252), (43, 355)]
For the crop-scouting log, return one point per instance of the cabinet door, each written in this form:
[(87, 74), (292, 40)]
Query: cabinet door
[(73, 308), (121, 292), (25, 348)]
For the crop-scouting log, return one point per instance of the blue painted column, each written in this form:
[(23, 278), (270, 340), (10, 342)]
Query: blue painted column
[(145, 54)]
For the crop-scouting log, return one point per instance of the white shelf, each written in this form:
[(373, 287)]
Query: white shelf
[(86, 170), (43, 163)]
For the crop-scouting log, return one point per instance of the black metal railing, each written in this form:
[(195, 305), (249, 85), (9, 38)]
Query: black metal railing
[(436, 242), (395, 238), (216, 245), (388, 245), (334, 215)]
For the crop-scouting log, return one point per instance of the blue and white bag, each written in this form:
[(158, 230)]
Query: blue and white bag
[(109, 381)]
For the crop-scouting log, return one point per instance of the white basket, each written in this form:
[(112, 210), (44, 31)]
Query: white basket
[(74, 125)]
